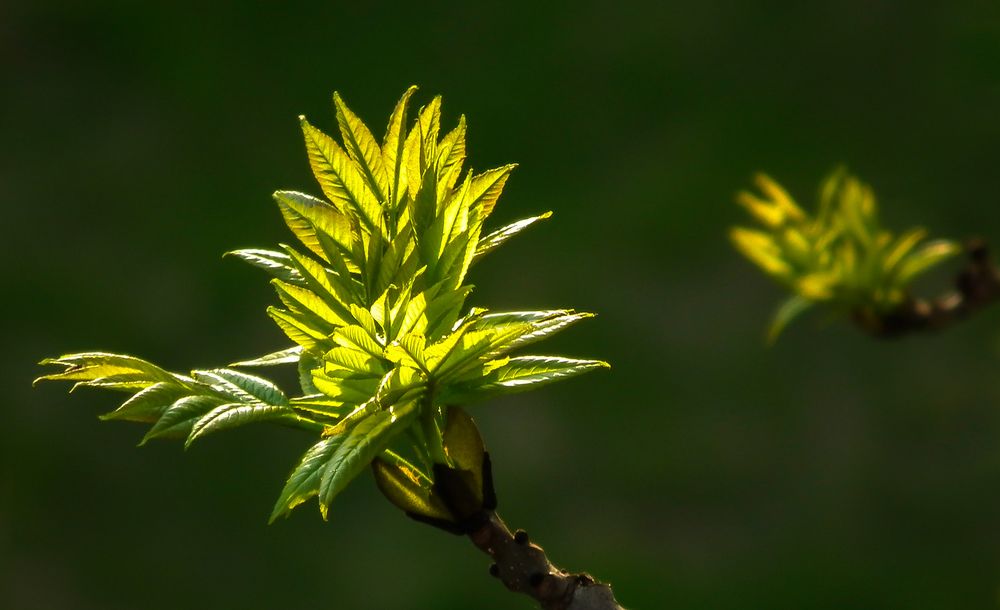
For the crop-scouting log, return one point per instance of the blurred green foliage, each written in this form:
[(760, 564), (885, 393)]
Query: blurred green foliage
[(840, 257), (829, 472)]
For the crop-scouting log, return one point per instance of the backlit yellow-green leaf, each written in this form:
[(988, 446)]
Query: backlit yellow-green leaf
[(394, 147), (362, 148), (340, 179)]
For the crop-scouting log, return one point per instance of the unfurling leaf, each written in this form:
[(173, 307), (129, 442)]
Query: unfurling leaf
[(408, 489), (465, 448)]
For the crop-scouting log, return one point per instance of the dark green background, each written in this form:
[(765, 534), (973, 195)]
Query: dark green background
[(703, 471)]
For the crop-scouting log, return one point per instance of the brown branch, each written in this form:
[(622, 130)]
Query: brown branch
[(520, 565), (977, 285), (524, 568)]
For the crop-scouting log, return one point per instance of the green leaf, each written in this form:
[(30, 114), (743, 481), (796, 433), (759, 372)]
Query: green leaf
[(408, 489), (232, 415), (443, 312), (872, 272), (423, 211), (149, 404), (362, 148), (451, 155), (857, 206), (792, 308), (399, 262), (327, 285), (398, 301), (354, 361), (464, 354), (421, 144), (931, 254), (779, 197), (766, 212), (360, 338), (530, 326), (497, 238), (365, 321), (394, 147), (903, 246), (304, 481), (415, 314), (506, 318), (360, 446), (308, 306), (346, 386), (309, 361), (321, 405), (340, 179), (465, 448), (91, 368), (457, 257), (180, 417), (760, 248), (441, 349), (242, 387), (277, 264), (520, 374), (454, 217), (310, 219), (408, 351), (285, 356), (486, 188), (400, 385), (297, 330)]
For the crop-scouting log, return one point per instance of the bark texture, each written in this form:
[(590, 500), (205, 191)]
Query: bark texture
[(523, 567)]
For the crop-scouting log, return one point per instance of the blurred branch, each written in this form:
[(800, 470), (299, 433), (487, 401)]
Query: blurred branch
[(977, 285)]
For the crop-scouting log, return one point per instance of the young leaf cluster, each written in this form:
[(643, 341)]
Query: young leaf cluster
[(373, 301), (840, 256)]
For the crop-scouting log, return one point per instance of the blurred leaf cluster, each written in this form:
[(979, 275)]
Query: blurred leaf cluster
[(374, 304), (840, 257)]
